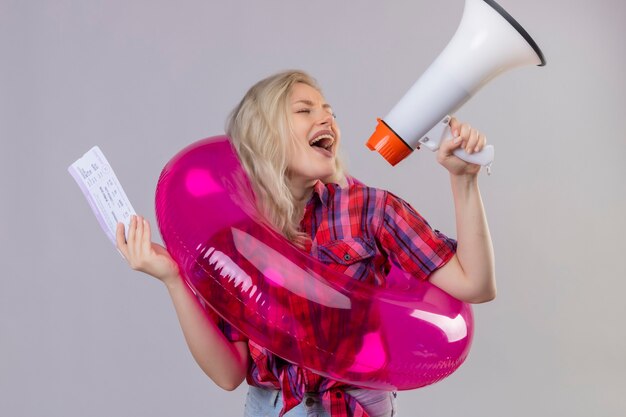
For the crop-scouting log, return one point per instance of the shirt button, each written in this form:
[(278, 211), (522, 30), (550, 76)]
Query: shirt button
[(338, 395), (309, 402), (347, 257)]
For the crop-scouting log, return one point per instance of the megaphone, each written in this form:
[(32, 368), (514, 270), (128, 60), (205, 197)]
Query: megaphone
[(487, 42)]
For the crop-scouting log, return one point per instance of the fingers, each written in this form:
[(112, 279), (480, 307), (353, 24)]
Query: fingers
[(130, 236), (472, 140), (467, 137), (120, 239), (138, 245), (147, 237), (454, 126), (143, 255)]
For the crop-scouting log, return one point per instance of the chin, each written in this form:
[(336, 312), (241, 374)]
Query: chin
[(329, 178)]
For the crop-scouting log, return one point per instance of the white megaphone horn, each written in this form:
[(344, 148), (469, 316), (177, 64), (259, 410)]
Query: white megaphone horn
[(487, 42)]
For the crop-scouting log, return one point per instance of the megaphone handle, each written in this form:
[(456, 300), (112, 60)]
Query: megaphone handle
[(484, 157), (441, 131)]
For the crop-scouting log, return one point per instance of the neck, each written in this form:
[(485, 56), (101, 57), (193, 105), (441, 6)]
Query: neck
[(301, 192)]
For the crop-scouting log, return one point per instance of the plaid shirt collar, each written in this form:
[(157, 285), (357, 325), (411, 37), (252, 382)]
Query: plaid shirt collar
[(321, 190)]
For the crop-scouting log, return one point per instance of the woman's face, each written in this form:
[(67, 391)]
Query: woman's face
[(316, 136)]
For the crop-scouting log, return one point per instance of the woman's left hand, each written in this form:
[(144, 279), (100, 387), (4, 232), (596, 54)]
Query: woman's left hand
[(466, 137)]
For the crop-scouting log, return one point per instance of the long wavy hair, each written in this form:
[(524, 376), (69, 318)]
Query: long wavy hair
[(261, 132)]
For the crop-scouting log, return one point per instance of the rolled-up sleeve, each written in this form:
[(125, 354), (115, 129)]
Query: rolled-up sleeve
[(409, 240)]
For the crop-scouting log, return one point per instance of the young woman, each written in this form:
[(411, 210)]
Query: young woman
[(287, 138)]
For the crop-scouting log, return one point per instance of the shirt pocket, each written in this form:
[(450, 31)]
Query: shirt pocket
[(347, 251)]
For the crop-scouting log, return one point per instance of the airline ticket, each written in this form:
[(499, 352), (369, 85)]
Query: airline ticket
[(103, 191)]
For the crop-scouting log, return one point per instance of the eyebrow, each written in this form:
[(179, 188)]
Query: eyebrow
[(310, 103)]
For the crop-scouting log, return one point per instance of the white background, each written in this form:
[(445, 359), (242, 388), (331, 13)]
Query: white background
[(83, 335)]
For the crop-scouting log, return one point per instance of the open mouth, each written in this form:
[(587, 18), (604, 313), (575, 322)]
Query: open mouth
[(324, 140)]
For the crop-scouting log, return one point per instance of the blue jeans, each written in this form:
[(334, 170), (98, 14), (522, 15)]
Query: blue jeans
[(261, 402)]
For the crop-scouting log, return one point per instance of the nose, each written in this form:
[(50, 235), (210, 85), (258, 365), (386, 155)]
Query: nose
[(326, 118)]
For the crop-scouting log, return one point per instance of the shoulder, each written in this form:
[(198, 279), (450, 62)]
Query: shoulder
[(377, 197), (352, 186), (358, 192)]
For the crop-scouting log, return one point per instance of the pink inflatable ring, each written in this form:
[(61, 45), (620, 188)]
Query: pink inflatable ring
[(372, 337)]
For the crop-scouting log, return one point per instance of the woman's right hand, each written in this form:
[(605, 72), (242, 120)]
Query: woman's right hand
[(144, 255)]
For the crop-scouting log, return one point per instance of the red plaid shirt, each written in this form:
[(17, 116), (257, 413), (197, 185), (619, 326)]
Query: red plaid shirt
[(356, 230)]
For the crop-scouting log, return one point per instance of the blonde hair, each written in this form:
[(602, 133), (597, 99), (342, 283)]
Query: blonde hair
[(260, 130)]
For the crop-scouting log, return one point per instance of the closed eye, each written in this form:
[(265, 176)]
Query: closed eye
[(309, 111)]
